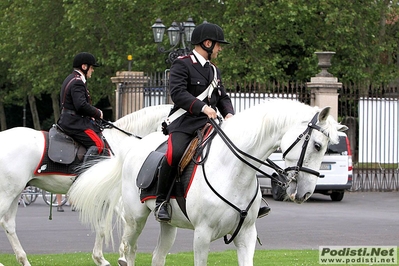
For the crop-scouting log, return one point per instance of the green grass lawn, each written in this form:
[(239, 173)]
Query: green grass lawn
[(226, 258)]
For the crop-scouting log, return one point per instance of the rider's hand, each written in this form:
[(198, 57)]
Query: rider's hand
[(210, 112), (228, 116)]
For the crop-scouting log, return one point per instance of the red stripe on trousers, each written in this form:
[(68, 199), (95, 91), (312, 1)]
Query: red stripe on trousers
[(169, 150), (96, 139)]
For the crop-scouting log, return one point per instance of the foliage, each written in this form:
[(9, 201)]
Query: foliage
[(270, 40)]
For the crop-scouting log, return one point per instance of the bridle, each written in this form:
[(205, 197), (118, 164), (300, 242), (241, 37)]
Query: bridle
[(283, 179), (307, 133)]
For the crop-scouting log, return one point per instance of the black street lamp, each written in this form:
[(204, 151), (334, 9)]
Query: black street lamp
[(179, 35)]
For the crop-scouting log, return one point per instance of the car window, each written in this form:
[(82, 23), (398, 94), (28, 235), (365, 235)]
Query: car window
[(338, 148)]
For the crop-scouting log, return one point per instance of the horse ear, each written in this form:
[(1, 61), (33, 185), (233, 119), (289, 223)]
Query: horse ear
[(342, 127), (324, 113)]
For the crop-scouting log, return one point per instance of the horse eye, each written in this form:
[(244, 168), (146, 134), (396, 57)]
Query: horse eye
[(317, 146)]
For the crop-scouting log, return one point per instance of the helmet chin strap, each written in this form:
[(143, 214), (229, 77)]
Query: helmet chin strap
[(85, 71), (209, 50)]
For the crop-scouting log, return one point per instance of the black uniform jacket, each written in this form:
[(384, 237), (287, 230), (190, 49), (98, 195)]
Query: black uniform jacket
[(77, 111), (188, 79)]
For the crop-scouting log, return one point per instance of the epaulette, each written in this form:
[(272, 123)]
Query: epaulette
[(77, 77), (182, 56), (193, 59)]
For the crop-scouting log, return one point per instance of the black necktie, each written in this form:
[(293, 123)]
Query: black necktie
[(210, 72)]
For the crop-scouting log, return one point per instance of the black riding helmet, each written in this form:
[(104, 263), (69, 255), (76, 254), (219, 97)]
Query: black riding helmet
[(208, 31), (84, 58)]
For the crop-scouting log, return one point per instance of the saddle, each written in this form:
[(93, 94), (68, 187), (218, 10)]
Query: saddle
[(61, 154), (62, 148), (148, 175)]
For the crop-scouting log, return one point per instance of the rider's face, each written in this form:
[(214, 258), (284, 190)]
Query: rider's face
[(216, 49), (89, 72)]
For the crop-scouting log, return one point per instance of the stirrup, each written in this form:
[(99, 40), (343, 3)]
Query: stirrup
[(264, 210), (168, 207)]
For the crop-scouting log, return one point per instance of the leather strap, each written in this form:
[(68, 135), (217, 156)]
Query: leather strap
[(208, 92)]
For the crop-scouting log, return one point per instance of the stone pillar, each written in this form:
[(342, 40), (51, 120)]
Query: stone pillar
[(324, 87), (129, 94)]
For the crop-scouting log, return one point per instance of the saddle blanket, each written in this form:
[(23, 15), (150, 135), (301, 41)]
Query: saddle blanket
[(48, 167), (180, 189)]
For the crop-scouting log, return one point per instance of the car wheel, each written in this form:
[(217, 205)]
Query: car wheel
[(278, 192), (337, 195)]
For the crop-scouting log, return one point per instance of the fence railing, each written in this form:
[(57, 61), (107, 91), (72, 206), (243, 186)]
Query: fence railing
[(370, 112)]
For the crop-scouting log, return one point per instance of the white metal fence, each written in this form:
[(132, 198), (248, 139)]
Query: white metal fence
[(370, 113)]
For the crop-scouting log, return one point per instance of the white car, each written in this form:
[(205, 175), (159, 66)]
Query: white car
[(335, 172)]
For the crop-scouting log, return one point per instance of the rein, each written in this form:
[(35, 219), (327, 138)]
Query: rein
[(282, 179), (111, 125)]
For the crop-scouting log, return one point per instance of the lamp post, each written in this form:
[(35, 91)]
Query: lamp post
[(179, 35)]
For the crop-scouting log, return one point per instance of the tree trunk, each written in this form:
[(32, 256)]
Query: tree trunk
[(3, 121), (33, 110), (56, 105)]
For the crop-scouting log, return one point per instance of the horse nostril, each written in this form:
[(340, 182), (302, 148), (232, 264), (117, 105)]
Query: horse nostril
[(307, 196)]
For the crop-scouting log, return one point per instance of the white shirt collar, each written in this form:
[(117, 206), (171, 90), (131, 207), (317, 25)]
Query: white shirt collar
[(82, 76), (200, 58)]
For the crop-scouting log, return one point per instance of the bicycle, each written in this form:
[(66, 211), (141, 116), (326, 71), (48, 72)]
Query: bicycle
[(30, 194), (47, 198)]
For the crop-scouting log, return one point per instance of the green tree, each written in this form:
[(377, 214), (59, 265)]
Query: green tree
[(270, 40)]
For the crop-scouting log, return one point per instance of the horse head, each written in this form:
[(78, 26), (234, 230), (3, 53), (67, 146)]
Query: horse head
[(304, 150)]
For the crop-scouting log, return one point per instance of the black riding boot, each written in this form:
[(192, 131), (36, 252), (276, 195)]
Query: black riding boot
[(165, 179), (263, 211)]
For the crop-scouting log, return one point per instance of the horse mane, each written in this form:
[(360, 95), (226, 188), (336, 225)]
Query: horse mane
[(269, 117), (143, 120)]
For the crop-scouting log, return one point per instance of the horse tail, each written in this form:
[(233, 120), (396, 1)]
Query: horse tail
[(96, 194)]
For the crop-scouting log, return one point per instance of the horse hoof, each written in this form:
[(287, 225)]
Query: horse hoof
[(122, 262)]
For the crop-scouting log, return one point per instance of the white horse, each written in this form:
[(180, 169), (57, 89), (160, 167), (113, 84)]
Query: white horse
[(21, 152), (224, 195)]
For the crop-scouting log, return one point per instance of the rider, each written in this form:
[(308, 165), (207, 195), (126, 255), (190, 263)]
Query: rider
[(189, 77), (78, 115)]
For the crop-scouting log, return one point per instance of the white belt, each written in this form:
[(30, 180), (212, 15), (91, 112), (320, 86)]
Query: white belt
[(201, 97)]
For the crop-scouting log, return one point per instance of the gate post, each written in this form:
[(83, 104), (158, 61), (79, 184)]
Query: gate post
[(129, 94), (324, 87)]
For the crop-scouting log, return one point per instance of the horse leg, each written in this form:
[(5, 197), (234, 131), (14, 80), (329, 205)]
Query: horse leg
[(245, 243), (97, 255), (122, 250), (7, 221), (131, 232), (202, 241), (166, 239)]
